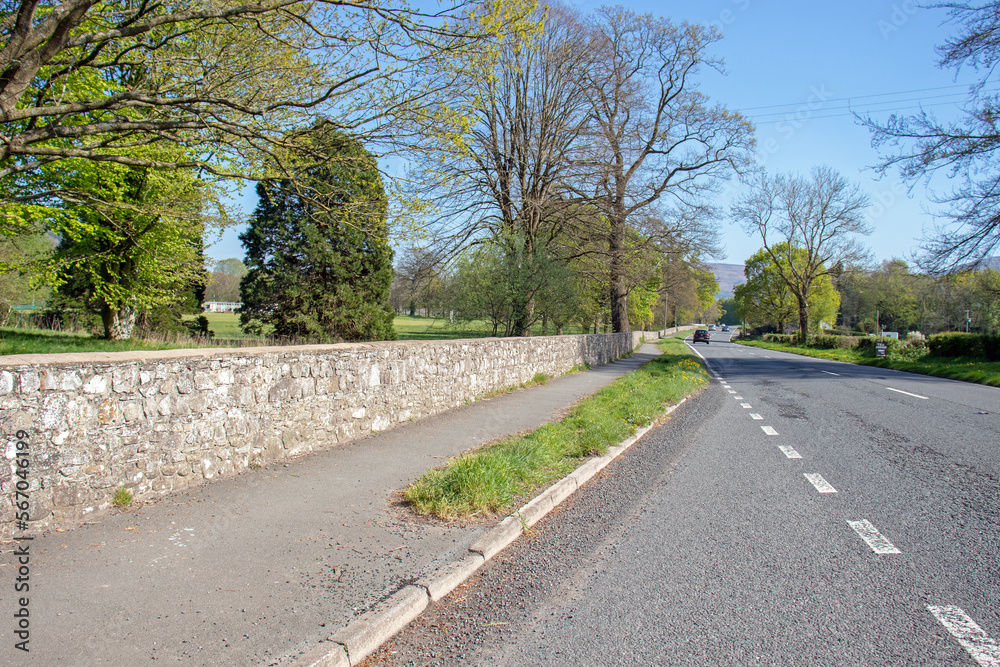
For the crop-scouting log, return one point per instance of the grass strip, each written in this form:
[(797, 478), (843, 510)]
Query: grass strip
[(958, 368), (490, 480)]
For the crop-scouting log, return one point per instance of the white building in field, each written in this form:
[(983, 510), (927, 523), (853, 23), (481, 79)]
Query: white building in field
[(221, 306)]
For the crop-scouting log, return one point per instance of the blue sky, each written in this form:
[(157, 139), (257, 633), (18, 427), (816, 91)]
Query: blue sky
[(798, 72)]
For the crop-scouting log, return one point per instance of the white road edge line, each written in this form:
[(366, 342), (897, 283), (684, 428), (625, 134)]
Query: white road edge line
[(769, 430), (872, 537), (819, 483), (973, 638), (789, 452), (829, 373), (900, 391)]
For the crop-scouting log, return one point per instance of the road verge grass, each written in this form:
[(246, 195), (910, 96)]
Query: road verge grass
[(956, 368), (488, 481)]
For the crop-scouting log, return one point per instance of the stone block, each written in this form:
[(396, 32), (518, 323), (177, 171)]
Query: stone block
[(124, 379), (30, 382), (98, 384), (203, 381), (69, 495), (107, 412), (6, 382)]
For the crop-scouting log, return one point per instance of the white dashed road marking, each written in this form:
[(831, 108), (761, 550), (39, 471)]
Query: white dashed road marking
[(769, 430), (900, 391), (738, 398), (731, 391), (973, 638), (872, 537), (817, 481), (744, 405), (754, 415), (790, 452), (829, 373)]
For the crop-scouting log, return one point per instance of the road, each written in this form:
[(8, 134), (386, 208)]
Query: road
[(799, 511)]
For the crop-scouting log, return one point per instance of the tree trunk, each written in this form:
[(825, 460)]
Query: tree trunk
[(118, 323), (619, 291), (803, 319)]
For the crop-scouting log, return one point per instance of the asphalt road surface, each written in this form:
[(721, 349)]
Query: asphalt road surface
[(797, 512)]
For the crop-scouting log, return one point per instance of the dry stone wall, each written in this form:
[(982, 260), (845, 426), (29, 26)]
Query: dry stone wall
[(158, 422)]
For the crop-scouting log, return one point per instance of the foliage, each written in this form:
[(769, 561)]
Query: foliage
[(418, 281), (957, 344), (900, 300), (130, 247), (122, 497), (765, 299), (319, 261), (224, 81), (16, 287), (504, 284)]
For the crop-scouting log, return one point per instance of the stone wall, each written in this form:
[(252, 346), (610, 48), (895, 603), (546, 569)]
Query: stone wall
[(162, 421)]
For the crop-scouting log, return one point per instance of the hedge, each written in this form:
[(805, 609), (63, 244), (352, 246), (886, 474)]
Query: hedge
[(959, 344)]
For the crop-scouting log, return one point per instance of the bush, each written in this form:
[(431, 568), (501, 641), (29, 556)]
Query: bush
[(832, 342), (910, 350), (959, 344), (783, 339)]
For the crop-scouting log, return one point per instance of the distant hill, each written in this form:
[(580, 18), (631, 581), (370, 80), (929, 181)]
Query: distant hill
[(728, 276), (987, 263)]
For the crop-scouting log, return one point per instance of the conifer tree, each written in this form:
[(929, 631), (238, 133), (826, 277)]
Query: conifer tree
[(317, 250)]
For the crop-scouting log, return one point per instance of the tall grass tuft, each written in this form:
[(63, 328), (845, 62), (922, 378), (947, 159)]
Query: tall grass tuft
[(490, 480)]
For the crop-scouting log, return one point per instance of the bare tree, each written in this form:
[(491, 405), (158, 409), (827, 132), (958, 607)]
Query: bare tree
[(965, 149), (653, 134), (808, 226), (496, 154)]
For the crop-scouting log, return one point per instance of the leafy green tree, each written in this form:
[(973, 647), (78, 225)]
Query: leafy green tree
[(496, 280), (317, 250), (130, 246), (766, 299)]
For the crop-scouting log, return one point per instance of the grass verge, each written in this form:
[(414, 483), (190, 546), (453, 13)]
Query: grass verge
[(958, 368), (490, 480)]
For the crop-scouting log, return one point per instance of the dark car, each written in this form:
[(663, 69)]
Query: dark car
[(725, 327), (701, 335)]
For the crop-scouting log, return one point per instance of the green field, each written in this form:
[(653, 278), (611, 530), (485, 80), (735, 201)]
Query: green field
[(226, 327)]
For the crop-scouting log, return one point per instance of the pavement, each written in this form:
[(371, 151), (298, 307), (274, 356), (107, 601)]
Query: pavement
[(286, 565)]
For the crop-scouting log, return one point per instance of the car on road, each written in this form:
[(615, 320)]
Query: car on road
[(711, 327), (725, 327), (702, 336)]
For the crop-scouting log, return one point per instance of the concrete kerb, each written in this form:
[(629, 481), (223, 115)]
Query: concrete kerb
[(360, 638)]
